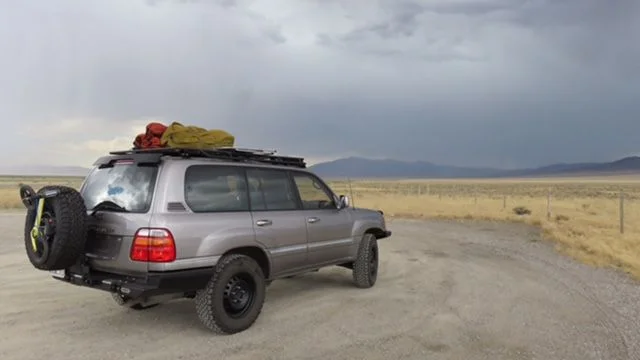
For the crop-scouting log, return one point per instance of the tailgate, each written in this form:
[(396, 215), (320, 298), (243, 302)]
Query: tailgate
[(109, 242), (118, 194)]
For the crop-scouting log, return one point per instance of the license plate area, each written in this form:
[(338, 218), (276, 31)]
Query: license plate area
[(103, 246)]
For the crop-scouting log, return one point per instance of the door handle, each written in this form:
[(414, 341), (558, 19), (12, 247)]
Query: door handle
[(264, 222), (313, 220)]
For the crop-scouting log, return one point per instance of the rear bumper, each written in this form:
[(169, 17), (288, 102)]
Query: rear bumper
[(385, 234), (150, 284)]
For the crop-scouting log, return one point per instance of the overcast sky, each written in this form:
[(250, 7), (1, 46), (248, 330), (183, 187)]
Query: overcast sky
[(505, 83)]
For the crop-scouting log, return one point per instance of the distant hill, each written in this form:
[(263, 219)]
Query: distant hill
[(42, 170), (623, 166), (355, 167), (368, 168)]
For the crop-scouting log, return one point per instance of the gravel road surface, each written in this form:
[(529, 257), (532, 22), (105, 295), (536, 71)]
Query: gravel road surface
[(446, 290)]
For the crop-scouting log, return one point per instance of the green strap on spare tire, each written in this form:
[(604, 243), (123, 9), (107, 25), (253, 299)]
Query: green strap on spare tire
[(35, 230)]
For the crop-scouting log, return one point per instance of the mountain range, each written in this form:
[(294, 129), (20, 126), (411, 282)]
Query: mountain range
[(357, 167)]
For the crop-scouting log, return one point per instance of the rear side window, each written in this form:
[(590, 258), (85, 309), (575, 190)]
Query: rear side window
[(271, 190), (127, 185), (213, 188)]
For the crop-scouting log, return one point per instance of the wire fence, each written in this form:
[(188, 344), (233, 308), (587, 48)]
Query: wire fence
[(603, 204), (612, 205)]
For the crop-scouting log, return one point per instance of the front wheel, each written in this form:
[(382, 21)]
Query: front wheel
[(232, 300), (365, 268)]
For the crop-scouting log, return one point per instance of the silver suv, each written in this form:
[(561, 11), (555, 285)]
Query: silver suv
[(216, 226)]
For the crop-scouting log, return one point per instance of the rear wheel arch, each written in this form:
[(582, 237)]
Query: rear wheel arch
[(257, 254)]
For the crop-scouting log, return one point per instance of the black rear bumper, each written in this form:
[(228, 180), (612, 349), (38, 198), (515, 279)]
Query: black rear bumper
[(141, 286)]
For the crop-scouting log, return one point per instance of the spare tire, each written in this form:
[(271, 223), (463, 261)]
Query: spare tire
[(63, 230)]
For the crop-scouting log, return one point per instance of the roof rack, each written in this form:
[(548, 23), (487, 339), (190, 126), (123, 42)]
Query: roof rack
[(223, 153)]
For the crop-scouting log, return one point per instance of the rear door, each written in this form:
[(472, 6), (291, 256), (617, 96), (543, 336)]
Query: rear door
[(219, 218), (329, 230), (118, 198), (279, 224)]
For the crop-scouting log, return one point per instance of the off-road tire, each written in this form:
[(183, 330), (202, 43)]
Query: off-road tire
[(365, 267), (210, 301), (124, 302), (68, 243)]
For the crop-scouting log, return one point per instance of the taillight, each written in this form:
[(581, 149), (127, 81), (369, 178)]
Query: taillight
[(153, 245)]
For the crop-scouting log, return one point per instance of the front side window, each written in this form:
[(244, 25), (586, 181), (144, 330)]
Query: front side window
[(213, 188), (312, 192), (124, 187), (270, 190)]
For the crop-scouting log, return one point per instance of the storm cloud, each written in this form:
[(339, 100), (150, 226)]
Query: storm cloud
[(487, 82)]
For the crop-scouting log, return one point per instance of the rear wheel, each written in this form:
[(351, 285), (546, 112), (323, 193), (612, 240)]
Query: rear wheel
[(232, 300)]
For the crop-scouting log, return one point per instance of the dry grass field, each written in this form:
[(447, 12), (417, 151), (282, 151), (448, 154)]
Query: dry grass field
[(10, 197), (582, 215)]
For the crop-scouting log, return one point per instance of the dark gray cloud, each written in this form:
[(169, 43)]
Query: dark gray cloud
[(485, 82)]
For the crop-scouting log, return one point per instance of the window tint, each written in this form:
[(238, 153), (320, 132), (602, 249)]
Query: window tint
[(312, 192), (128, 185), (270, 190), (211, 188)]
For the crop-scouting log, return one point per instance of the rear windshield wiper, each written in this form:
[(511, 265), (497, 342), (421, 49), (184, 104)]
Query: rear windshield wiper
[(108, 205)]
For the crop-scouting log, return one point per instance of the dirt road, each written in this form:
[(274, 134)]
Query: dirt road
[(446, 291)]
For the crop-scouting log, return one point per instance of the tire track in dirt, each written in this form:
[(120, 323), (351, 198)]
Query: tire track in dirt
[(574, 288)]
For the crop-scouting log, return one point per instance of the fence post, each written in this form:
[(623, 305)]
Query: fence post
[(621, 212), (504, 202), (549, 204)]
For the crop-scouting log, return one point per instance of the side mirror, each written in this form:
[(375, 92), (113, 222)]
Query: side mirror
[(344, 202)]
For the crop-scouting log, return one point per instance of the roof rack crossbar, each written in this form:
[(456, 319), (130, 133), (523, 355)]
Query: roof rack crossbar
[(223, 153), (255, 151)]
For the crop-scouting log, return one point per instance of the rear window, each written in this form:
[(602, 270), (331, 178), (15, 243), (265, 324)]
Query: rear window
[(128, 185), (215, 188)]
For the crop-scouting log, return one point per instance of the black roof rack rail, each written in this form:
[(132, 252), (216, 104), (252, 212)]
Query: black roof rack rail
[(223, 153)]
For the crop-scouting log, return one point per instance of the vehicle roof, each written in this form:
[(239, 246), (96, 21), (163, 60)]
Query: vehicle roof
[(227, 156), (198, 161)]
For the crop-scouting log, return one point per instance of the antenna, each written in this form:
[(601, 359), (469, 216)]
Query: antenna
[(353, 201)]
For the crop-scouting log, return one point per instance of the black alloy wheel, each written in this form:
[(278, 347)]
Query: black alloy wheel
[(239, 295)]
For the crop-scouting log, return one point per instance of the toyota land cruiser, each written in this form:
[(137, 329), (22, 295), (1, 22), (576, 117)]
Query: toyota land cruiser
[(216, 226)]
